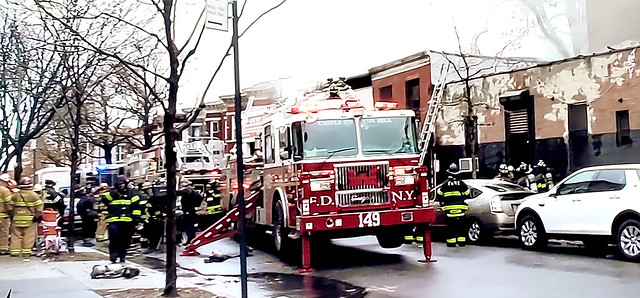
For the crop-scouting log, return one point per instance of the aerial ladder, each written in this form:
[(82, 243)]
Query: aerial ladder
[(435, 103)]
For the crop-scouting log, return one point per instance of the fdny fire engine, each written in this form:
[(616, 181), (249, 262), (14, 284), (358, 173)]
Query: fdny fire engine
[(329, 168)]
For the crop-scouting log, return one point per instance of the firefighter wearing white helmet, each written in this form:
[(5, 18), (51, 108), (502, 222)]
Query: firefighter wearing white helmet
[(25, 207), (5, 221), (451, 196)]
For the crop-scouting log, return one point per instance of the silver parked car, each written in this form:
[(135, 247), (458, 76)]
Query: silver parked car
[(492, 208)]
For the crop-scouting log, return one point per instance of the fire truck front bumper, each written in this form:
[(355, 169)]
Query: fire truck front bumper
[(365, 219)]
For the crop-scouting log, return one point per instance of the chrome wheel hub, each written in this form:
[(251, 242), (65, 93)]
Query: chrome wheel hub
[(528, 233), (630, 241), (474, 231)]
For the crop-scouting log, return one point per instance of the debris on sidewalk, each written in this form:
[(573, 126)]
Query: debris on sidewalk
[(113, 271), (217, 256)]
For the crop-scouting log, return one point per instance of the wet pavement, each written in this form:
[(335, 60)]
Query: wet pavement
[(358, 267)]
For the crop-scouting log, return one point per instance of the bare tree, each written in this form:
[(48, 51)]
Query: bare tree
[(28, 82), (106, 126)]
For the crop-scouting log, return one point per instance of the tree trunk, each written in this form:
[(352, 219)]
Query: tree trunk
[(148, 137), (108, 156), (170, 289), (18, 168)]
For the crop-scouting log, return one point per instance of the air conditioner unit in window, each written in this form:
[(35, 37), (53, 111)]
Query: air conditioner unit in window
[(465, 164)]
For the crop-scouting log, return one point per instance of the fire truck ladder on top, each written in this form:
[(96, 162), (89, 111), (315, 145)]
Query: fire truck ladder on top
[(222, 228), (434, 106)]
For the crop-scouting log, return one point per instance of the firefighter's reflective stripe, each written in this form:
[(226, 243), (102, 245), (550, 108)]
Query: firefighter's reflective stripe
[(419, 239), (455, 215), (135, 199), (454, 193), (120, 219), (454, 207), (108, 196), (136, 212), (23, 218), (542, 185), (26, 252), (451, 240), (120, 202), (15, 252), (28, 204), (462, 239), (2, 215), (214, 209), (408, 238)]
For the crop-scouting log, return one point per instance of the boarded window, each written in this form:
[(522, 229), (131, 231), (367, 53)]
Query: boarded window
[(386, 93), (623, 131), (413, 93)]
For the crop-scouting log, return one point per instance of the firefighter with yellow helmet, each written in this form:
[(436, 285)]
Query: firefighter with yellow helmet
[(5, 221), (25, 207)]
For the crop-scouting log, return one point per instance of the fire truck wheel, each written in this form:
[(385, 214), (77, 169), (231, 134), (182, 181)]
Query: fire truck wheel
[(390, 240), (279, 231)]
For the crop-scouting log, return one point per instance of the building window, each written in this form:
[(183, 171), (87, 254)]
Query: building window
[(412, 88), (623, 131), (386, 93), (215, 127)]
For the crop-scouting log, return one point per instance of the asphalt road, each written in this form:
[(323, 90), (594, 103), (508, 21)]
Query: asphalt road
[(358, 267)]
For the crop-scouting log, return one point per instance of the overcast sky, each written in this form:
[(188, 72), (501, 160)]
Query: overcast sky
[(317, 39)]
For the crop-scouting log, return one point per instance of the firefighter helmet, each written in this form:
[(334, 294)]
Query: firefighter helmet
[(453, 169), (121, 180), (5, 177), (37, 187), (25, 182), (12, 185), (146, 185), (104, 186)]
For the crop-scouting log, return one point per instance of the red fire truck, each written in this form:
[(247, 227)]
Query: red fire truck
[(330, 168)]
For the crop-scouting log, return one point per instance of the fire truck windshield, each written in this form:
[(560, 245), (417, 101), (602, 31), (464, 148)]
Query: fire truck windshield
[(388, 135), (325, 138)]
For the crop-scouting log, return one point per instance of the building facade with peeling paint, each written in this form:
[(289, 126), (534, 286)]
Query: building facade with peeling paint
[(572, 113)]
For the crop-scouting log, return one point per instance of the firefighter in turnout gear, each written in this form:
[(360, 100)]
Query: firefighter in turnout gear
[(5, 221), (155, 211), (101, 229), (123, 213), (25, 208), (543, 180), (451, 196), (53, 199)]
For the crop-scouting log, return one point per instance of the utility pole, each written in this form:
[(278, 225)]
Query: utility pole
[(240, 163)]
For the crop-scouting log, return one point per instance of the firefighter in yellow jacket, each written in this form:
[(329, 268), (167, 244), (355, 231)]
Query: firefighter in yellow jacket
[(5, 221), (25, 207)]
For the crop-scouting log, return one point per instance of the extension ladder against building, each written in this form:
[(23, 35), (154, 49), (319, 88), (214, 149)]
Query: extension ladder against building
[(434, 106)]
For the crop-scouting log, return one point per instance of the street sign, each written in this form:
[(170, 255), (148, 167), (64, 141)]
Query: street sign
[(217, 15)]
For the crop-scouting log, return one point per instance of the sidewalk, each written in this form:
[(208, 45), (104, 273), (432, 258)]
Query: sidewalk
[(71, 277)]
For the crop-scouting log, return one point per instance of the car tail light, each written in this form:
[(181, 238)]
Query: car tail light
[(495, 204)]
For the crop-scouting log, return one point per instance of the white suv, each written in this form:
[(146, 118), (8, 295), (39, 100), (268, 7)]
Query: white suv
[(598, 205)]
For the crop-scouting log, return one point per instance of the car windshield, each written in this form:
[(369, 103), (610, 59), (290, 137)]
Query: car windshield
[(325, 138), (388, 135)]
